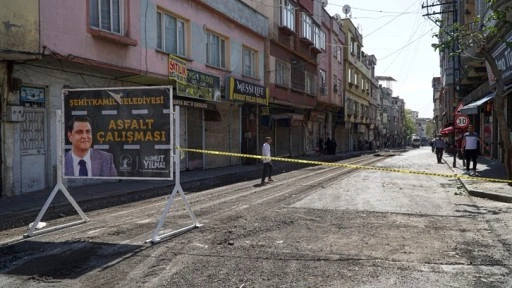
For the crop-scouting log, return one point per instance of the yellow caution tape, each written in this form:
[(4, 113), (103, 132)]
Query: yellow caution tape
[(335, 164)]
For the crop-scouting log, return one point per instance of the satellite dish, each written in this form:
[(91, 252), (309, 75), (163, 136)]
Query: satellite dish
[(337, 17), (324, 3), (346, 10)]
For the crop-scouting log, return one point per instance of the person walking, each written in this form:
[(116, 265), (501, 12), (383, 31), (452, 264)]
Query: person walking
[(470, 147), (267, 161), (439, 144)]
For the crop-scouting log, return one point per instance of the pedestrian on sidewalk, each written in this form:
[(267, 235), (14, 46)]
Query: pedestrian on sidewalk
[(439, 144), (267, 161), (470, 147)]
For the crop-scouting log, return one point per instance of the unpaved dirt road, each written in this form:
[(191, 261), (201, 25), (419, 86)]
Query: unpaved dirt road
[(315, 227)]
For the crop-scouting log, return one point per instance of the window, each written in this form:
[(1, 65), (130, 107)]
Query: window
[(349, 76), (322, 40), (335, 83), (339, 86), (249, 60), (338, 53), (287, 14), (170, 34), (334, 44), (215, 50), (355, 79), (282, 73), (310, 83), (298, 77), (319, 37), (106, 15), (352, 46), (322, 79), (307, 27)]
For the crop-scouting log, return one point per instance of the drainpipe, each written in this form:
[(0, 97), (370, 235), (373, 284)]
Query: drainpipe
[(230, 137)]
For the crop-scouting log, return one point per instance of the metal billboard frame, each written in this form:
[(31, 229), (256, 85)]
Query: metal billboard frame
[(156, 236)]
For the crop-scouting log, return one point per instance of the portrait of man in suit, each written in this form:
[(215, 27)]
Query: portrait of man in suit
[(82, 160)]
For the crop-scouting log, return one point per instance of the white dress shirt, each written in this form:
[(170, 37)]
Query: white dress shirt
[(471, 140), (265, 152), (76, 166)]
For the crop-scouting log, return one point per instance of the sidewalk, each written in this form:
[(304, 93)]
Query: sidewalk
[(487, 168), (21, 210)]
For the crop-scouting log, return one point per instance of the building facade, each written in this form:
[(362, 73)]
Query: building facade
[(124, 44)]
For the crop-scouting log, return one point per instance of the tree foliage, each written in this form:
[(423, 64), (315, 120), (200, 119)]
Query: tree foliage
[(410, 125), (431, 129)]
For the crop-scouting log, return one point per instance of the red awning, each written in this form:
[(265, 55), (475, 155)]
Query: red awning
[(449, 130)]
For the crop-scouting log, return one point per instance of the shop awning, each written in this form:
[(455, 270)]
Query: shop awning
[(293, 116), (448, 130), (472, 108)]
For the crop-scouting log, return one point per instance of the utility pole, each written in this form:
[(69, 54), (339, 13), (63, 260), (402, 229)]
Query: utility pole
[(452, 8)]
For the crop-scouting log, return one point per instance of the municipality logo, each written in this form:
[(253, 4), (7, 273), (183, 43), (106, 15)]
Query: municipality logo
[(125, 162)]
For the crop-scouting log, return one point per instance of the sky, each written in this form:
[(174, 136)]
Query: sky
[(400, 37)]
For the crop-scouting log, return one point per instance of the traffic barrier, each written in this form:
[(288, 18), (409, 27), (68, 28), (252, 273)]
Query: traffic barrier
[(334, 164)]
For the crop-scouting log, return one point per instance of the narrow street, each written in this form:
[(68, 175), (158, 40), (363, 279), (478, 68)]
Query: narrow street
[(315, 227)]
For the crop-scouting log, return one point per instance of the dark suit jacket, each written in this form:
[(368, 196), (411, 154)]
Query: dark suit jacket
[(102, 164)]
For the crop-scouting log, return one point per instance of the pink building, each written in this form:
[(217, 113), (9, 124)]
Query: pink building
[(132, 43)]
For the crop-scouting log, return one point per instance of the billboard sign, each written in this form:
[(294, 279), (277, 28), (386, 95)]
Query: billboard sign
[(118, 133)]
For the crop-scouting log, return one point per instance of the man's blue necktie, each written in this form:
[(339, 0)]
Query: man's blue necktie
[(83, 168)]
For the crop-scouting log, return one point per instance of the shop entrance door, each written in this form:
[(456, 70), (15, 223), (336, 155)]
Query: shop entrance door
[(33, 150)]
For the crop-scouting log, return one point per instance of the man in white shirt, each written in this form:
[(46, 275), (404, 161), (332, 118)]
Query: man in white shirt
[(470, 146), (267, 161)]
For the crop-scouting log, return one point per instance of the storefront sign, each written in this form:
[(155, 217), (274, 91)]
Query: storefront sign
[(247, 92), (190, 103), (316, 116), (200, 85), (503, 56), (177, 69), (118, 133)]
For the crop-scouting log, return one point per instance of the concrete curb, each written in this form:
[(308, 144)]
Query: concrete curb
[(482, 194), (490, 195)]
